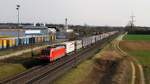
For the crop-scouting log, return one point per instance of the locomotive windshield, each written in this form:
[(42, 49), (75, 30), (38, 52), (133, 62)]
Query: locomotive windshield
[(45, 52)]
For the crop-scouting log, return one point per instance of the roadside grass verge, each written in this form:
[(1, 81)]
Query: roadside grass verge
[(14, 65), (76, 75), (7, 70), (137, 37)]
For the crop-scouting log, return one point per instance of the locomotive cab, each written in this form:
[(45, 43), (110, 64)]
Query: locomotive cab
[(52, 53), (45, 54)]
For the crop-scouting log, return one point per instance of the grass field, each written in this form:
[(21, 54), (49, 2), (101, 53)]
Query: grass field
[(137, 37), (7, 70), (139, 47), (17, 64), (142, 56)]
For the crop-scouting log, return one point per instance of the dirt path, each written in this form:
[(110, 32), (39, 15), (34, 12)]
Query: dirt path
[(137, 70), (142, 74), (133, 73)]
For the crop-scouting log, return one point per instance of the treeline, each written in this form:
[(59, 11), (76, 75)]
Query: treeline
[(87, 30), (82, 30), (138, 30)]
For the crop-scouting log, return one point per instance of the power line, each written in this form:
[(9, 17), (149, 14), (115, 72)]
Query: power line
[(132, 22)]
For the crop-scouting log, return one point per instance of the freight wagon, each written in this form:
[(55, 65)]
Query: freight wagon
[(86, 42), (78, 44), (70, 46)]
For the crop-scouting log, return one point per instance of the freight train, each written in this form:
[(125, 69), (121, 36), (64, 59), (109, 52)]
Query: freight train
[(54, 52)]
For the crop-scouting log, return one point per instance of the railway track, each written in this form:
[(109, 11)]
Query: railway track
[(47, 73), (20, 75), (137, 78)]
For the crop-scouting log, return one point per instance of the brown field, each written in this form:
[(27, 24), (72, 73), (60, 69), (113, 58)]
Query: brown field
[(135, 45), (141, 51)]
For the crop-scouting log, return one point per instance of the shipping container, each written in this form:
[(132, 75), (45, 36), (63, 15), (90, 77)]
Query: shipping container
[(93, 39), (32, 40), (98, 37), (5, 43), (39, 39), (78, 44), (36, 39), (102, 36), (10, 43), (84, 42), (42, 39), (53, 37), (46, 39), (70, 46), (1, 43), (17, 41), (14, 42), (20, 41), (27, 39)]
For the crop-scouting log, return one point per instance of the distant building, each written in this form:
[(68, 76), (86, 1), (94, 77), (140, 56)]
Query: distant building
[(35, 30), (26, 30), (11, 31)]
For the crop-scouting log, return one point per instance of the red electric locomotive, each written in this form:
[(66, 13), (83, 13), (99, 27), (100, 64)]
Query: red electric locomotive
[(52, 53)]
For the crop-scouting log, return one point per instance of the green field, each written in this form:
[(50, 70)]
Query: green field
[(143, 56), (7, 70), (137, 37)]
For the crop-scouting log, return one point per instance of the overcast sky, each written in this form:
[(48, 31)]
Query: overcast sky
[(92, 12)]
